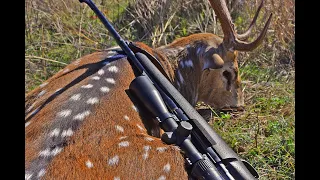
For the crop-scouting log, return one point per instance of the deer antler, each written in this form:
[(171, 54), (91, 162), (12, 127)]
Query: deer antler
[(245, 35), (231, 39)]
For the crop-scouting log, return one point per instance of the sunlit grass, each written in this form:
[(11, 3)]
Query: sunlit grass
[(263, 134)]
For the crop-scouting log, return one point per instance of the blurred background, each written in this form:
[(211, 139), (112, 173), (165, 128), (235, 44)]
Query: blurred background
[(58, 32)]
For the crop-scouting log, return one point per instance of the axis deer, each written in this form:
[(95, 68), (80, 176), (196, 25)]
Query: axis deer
[(81, 124)]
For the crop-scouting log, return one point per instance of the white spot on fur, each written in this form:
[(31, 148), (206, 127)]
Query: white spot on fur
[(92, 100), (43, 84), (27, 124), (161, 149), (77, 62), (101, 72), (41, 173), (119, 128), (148, 138), (116, 178), (135, 108), (54, 132), (110, 80), (113, 69), (88, 86), (68, 132), (56, 151), (176, 148), (146, 148), (64, 113), (188, 63), (76, 97), (104, 89), (146, 154), (81, 116), (126, 117), (123, 137), (162, 177), (41, 93), (141, 128), (124, 144), (113, 161), (29, 109), (95, 78), (89, 164), (166, 168), (66, 70), (45, 152)]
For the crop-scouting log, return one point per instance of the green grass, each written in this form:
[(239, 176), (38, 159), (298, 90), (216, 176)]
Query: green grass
[(64, 34), (263, 134)]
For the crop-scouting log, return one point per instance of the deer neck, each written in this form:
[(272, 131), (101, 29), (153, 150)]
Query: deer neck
[(184, 67)]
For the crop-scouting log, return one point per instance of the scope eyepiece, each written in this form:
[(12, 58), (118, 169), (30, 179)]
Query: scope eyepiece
[(204, 170)]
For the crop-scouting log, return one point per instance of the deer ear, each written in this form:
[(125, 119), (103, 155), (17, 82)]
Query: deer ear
[(217, 61), (213, 62)]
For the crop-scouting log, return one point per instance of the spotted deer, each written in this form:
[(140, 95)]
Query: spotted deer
[(81, 123)]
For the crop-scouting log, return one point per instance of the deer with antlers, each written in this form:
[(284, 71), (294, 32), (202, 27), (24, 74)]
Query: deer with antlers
[(81, 124)]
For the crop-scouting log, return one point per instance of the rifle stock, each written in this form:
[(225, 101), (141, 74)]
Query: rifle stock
[(203, 134), (209, 156)]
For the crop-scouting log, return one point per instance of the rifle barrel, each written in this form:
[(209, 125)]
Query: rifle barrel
[(123, 45)]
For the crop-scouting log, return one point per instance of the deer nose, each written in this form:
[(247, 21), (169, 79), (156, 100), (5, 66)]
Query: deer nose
[(238, 108), (232, 108)]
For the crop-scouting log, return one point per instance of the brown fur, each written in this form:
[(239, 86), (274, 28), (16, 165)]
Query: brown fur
[(162, 59), (184, 41), (39, 123), (98, 134), (96, 138), (201, 67)]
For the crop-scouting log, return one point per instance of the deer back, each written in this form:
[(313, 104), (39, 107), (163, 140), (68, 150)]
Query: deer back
[(82, 124)]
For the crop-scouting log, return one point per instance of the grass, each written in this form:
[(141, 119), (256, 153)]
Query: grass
[(63, 31), (263, 134)]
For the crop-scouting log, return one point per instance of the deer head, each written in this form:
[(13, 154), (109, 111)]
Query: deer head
[(82, 124), (204, 67), (226, 91)]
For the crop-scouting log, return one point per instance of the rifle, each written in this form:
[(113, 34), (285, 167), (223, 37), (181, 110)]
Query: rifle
[(207, 156)]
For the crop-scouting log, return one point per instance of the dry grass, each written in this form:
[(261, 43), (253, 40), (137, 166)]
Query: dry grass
[(58, 32), (63, 31)]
